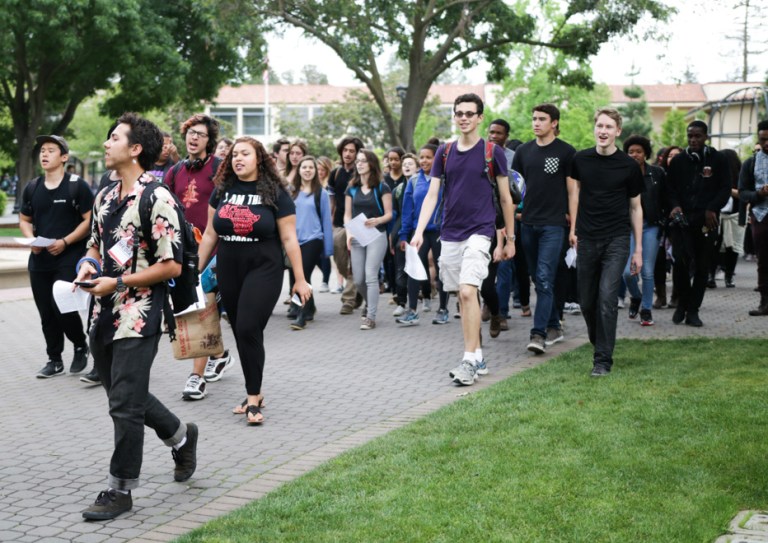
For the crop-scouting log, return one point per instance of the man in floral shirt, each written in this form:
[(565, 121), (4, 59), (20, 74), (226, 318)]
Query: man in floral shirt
[(125, 323)]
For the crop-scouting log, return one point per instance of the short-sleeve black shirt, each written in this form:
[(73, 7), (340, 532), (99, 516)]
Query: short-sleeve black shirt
[(606, 185), (54, 216), (544, 169), (368, 204), (242, 217)]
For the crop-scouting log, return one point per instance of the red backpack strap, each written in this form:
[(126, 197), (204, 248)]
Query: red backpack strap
[(446, 150), (489, 145)]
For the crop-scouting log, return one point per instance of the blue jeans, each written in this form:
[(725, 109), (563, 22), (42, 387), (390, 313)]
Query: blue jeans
[(650, 248), (543, 245), (504, 275), (599, 268), (124, 366)]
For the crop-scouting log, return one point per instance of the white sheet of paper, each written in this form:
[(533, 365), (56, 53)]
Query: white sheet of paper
[(570, 257), (200, 304), (413, 265), (68, 301), (34, 242), (360, 232)]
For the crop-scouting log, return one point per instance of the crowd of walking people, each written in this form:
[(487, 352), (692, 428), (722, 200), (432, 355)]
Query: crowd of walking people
[(487, 216)]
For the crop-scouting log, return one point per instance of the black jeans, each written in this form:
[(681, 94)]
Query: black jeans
[(599, 266), (124, 366), (311, 256), (55, 324), (693, 252)]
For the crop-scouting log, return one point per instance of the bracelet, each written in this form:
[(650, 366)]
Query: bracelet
[(65, 243), (89, 260)]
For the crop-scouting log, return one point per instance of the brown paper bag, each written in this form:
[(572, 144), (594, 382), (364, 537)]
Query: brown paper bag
[(198, 333)]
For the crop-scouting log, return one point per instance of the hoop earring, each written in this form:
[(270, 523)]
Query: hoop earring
[(133, 160)]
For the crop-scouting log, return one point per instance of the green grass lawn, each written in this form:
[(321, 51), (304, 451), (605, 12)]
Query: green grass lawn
[(669, 447), (11, 233)]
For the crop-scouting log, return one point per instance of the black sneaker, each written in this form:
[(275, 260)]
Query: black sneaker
[(52, 368), (679, 315), (186, 457), (91, 378), (80, 360), (108, 505), (599, 371), (634, 307), (692, 319), (646, 317)]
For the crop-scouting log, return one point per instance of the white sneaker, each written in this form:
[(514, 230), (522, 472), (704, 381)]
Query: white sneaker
[(324, 288), (426, 305), (620, 303), (215, 367), (465, 374), (195, 388), (399, 311)]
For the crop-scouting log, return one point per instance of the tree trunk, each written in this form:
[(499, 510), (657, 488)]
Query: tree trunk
[(412, 106)]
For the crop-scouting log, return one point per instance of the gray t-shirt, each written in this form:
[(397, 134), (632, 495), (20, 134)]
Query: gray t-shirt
[(371, 204)]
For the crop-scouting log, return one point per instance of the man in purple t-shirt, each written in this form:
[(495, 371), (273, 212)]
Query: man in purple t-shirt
[(468, 223)]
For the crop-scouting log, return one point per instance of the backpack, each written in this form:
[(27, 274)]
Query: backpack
[(490, 175), (181, 291), (376, 193)]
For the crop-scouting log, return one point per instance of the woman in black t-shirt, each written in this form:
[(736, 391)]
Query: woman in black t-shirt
[(367, 194), (249, 216)]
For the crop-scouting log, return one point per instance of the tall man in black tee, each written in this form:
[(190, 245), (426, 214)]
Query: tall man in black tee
[(606, 204), (545, 163), (337, 185), (699, 182), (56, 206)]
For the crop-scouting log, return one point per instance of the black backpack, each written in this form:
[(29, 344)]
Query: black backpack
[(181, 290)]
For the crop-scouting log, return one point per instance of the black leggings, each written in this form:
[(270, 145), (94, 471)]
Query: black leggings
[(311, 255), (250, 280)]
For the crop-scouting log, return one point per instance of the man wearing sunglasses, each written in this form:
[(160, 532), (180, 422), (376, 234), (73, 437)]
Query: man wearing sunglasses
[(468, 223)]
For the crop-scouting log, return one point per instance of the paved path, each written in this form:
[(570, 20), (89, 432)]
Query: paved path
[(328, 389)]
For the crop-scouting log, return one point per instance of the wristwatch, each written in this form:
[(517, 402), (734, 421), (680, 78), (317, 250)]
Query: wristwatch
[(120, 285), (511, 238)]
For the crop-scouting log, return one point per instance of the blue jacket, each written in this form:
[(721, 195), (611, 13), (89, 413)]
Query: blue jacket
[(415, 192)]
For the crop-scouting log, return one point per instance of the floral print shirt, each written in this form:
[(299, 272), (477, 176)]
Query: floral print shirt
[(137, 312)]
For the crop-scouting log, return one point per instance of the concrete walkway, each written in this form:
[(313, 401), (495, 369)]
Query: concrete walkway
[(329, 388)]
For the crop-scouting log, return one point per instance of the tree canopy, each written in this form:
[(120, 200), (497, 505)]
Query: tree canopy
[(59, 52), (434, 35)]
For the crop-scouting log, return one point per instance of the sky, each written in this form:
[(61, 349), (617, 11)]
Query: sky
[(697, 40)]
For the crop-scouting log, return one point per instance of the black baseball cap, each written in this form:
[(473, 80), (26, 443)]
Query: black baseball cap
[(58, 140)]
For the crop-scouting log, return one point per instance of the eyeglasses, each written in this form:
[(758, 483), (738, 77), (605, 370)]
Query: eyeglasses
[(467, 114), (201, 135)]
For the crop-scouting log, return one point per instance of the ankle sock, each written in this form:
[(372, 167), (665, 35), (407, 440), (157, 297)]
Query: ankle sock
[(469, 356), (479, 355), (123, 492), (181, 443)]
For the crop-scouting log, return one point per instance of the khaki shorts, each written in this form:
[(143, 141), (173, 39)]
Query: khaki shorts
[(464, 262)]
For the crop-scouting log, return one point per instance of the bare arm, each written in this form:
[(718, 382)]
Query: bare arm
[(286, 226), (636, 215), (508, 209), (574, 187), (427, 208), (210, 239)]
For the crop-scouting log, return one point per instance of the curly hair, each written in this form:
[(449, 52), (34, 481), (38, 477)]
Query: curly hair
[(210, 123), (144, 133), (315, 184), (642, 141), (269, 182)]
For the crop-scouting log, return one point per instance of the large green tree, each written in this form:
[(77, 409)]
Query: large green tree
[(636, 114), (59, 52), (434, 35)]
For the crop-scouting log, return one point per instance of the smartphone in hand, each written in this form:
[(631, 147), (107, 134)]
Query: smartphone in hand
[(85, 284)]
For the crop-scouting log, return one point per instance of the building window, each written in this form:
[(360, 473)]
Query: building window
[(297, 114), (227, 117), (254, 122)]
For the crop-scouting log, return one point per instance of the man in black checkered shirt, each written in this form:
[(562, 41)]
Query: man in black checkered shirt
[(545, 164)]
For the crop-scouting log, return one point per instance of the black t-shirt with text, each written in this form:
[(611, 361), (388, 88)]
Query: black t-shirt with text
[(606, 185), (544, 169), (242, 217), (54, 216)]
